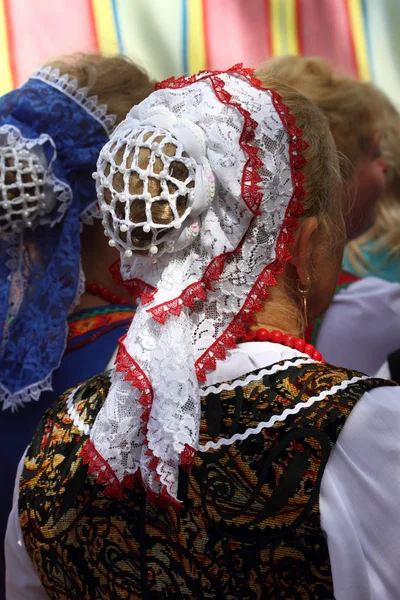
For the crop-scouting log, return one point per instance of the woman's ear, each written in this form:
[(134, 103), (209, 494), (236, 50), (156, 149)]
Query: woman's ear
[(302, 249)]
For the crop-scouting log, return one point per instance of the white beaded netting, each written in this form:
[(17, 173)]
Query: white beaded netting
[(22, 189), (146, 181), (196, 301)]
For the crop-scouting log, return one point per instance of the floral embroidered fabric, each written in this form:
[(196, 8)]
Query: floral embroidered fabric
[(249, 526), (86, 326)]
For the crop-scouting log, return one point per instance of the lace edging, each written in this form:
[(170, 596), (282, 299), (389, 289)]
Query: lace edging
[(240, 437), (259, 292), (98, 466), (69, 87), (19, 399), (134, 374), (15, 400), (89, 214)]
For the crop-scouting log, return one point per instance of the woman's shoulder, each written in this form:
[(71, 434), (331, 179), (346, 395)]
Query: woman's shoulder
[(63, 433), (296, 368), (72, 415), (83, 402), (289, 394)]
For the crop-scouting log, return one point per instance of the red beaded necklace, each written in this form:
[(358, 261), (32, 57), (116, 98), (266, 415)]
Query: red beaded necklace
[(263, 335), (105, 294)]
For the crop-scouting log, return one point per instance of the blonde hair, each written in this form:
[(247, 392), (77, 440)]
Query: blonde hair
[(356, 110), (322, 172), (385, 232), (116, 80)]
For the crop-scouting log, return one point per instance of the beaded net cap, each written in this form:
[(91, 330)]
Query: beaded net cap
[(156, 186), (146, 183), (24, 194), (240, 148)]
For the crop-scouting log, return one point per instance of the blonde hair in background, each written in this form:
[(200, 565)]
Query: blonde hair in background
[(385, 233), (356, 110), (116, 80)]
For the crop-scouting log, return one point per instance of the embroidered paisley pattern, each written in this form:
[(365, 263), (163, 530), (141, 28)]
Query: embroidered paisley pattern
[(249, 527)]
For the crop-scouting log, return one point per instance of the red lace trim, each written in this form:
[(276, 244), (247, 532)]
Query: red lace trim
[(259, 292), (112, 486), (187, 457), (163, 499), (137, 378), (195, 290), (100, 467), (251, 193)]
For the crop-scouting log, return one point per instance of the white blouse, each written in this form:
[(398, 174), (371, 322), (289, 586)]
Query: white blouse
[(359, 499), (362, 325)]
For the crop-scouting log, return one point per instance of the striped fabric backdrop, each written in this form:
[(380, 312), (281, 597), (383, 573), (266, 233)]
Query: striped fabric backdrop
[(170, 37)]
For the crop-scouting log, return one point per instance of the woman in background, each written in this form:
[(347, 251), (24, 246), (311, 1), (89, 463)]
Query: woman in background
[(359, 116), (61, 313), (377, 251)]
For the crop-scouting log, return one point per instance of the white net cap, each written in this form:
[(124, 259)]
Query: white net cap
[(24, 196), (148, 186)]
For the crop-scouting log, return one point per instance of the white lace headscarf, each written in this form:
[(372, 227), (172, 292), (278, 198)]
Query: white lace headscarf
[(201, 281)]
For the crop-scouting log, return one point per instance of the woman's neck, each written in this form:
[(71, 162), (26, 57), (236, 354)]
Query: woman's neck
[(279, 313), (96, 257)]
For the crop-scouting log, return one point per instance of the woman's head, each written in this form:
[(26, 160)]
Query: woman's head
[(358, 114), (116, 83), (223, 197), (384, 235), (51, 132), (145, 227)]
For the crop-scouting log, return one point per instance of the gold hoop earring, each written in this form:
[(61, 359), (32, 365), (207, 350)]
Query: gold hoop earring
[(303, 294)]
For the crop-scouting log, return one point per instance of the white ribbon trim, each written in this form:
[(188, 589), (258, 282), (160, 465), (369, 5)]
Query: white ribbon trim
[(240, 437)]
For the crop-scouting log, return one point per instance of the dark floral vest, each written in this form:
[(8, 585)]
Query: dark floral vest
[(249, 527)]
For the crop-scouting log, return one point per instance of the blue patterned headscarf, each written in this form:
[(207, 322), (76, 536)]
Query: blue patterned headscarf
[(50, 136)]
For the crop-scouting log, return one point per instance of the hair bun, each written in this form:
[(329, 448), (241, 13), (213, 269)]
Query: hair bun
[(145, 184), (22, 188)]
